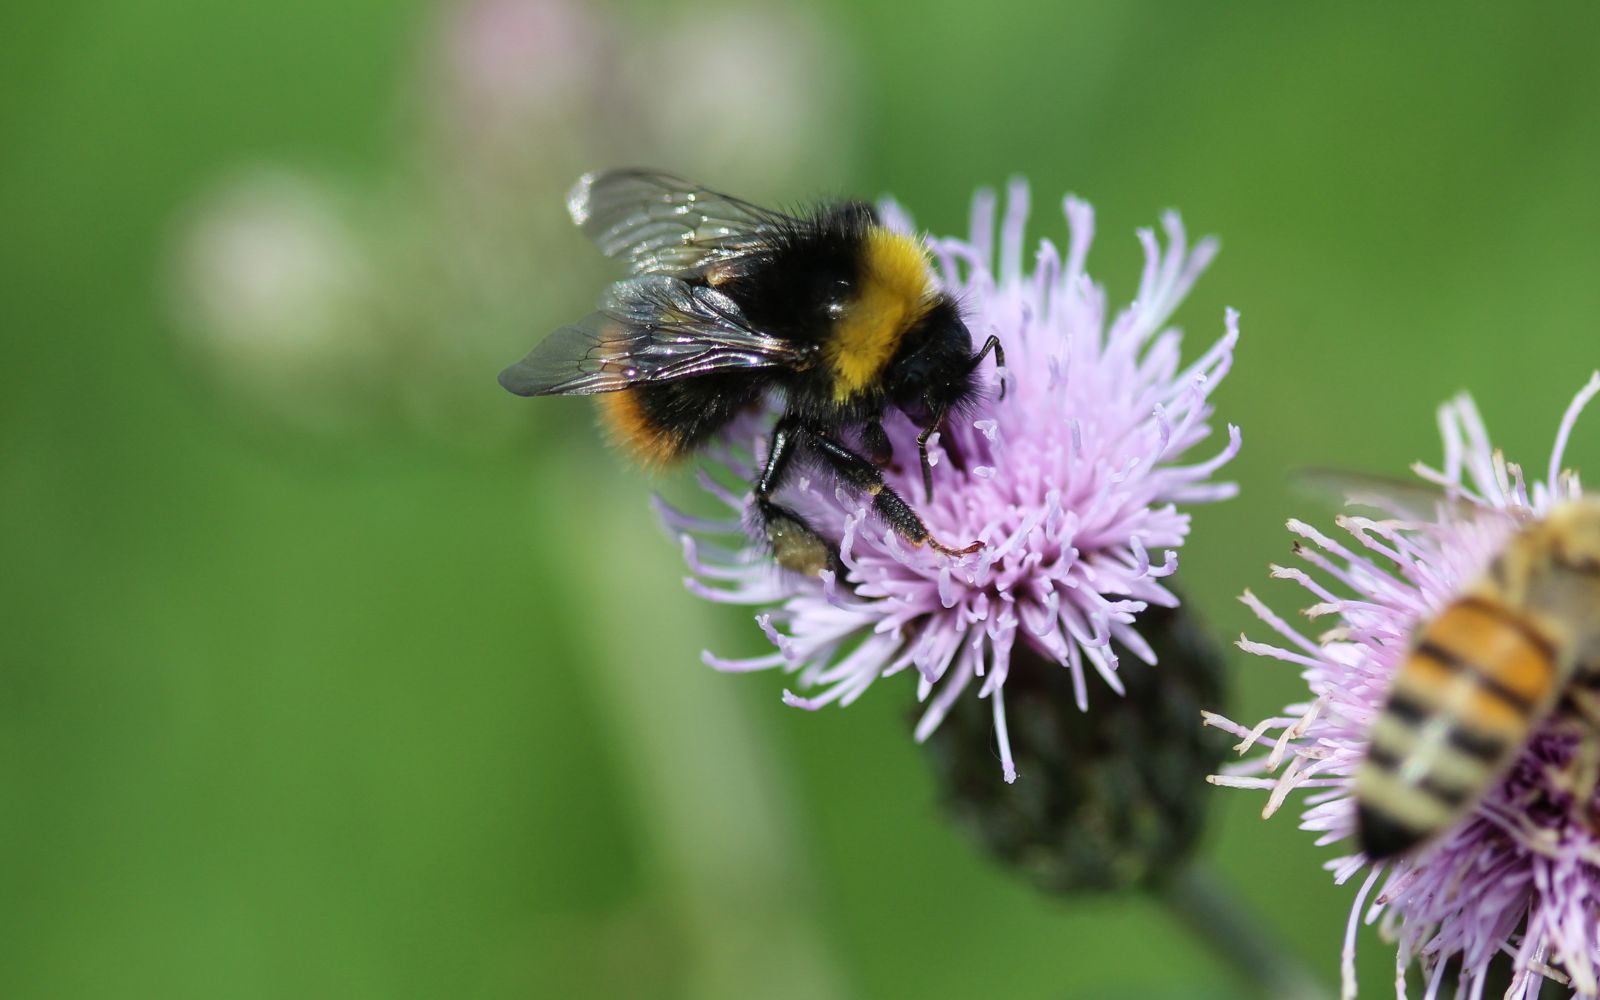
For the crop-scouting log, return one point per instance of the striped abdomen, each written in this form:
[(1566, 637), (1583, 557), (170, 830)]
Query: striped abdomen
[(1461, 707)]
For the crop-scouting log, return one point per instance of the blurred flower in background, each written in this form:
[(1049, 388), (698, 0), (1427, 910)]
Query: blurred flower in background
[(277, 289), (1521, 875), (398, 303), (502, 64), (1072, 481), (756, 94)]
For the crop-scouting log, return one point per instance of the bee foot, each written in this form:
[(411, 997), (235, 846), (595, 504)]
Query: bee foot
[(940, 547)]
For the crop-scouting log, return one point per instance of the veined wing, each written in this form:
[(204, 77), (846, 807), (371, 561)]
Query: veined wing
[(661, 224), (651, 328), (1385, 496)]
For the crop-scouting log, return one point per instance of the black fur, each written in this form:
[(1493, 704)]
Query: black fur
[(690, 411), (933, 371), (796, 288), (806, 273)]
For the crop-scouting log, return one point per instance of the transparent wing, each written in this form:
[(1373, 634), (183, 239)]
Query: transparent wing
[(661, 224), (1411, 499), (651, 328)]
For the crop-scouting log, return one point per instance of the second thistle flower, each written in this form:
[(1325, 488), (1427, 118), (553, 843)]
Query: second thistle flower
[(1514, 882), (1075, 481)]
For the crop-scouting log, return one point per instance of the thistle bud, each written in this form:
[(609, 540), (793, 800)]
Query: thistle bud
[(1109, 799)]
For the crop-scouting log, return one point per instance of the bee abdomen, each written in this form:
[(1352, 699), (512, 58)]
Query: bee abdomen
[(1462, 703), (662, 422)]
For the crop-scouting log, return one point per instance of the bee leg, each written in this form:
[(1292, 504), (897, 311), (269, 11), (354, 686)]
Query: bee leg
[(795, 544), (864, 476), (1584, 702), (922, 453), (875, 442), (992, 344)]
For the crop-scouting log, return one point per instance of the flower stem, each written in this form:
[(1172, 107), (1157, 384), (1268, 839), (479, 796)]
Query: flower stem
[(1230, 931), (721, 849)]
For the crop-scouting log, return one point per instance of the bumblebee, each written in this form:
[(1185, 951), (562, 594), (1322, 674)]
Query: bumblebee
[(725, 304), (1520, 646)]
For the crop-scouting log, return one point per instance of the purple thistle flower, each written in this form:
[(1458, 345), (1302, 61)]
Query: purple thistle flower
[(1519, 876), (1072, 481)]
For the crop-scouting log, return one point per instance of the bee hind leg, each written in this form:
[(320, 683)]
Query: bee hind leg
[(863, 475), (1582, 701), (795, 545)]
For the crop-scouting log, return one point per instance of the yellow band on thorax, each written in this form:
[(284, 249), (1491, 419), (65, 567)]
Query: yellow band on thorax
[(892, 294)]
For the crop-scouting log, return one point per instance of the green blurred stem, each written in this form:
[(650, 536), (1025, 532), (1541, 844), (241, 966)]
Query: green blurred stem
[(711, 790), (1231, 932)]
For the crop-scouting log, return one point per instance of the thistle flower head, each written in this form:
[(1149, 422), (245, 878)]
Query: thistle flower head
[(1075, 481), (1521, 875)]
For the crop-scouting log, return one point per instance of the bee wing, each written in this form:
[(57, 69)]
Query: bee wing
[(661, 224), (1411, 499), (651, 328)]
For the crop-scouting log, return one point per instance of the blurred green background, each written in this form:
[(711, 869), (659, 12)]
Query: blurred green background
[(328, 668)]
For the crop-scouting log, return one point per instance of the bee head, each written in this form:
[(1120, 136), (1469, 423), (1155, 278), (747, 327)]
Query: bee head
[(932, 374)]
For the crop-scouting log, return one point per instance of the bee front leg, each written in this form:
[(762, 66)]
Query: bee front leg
[(863, 475), (922, 454), (992, 344), (795, 545)]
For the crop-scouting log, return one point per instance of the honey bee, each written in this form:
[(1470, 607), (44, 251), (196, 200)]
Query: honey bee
[(1518, 646), (727, 303)]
